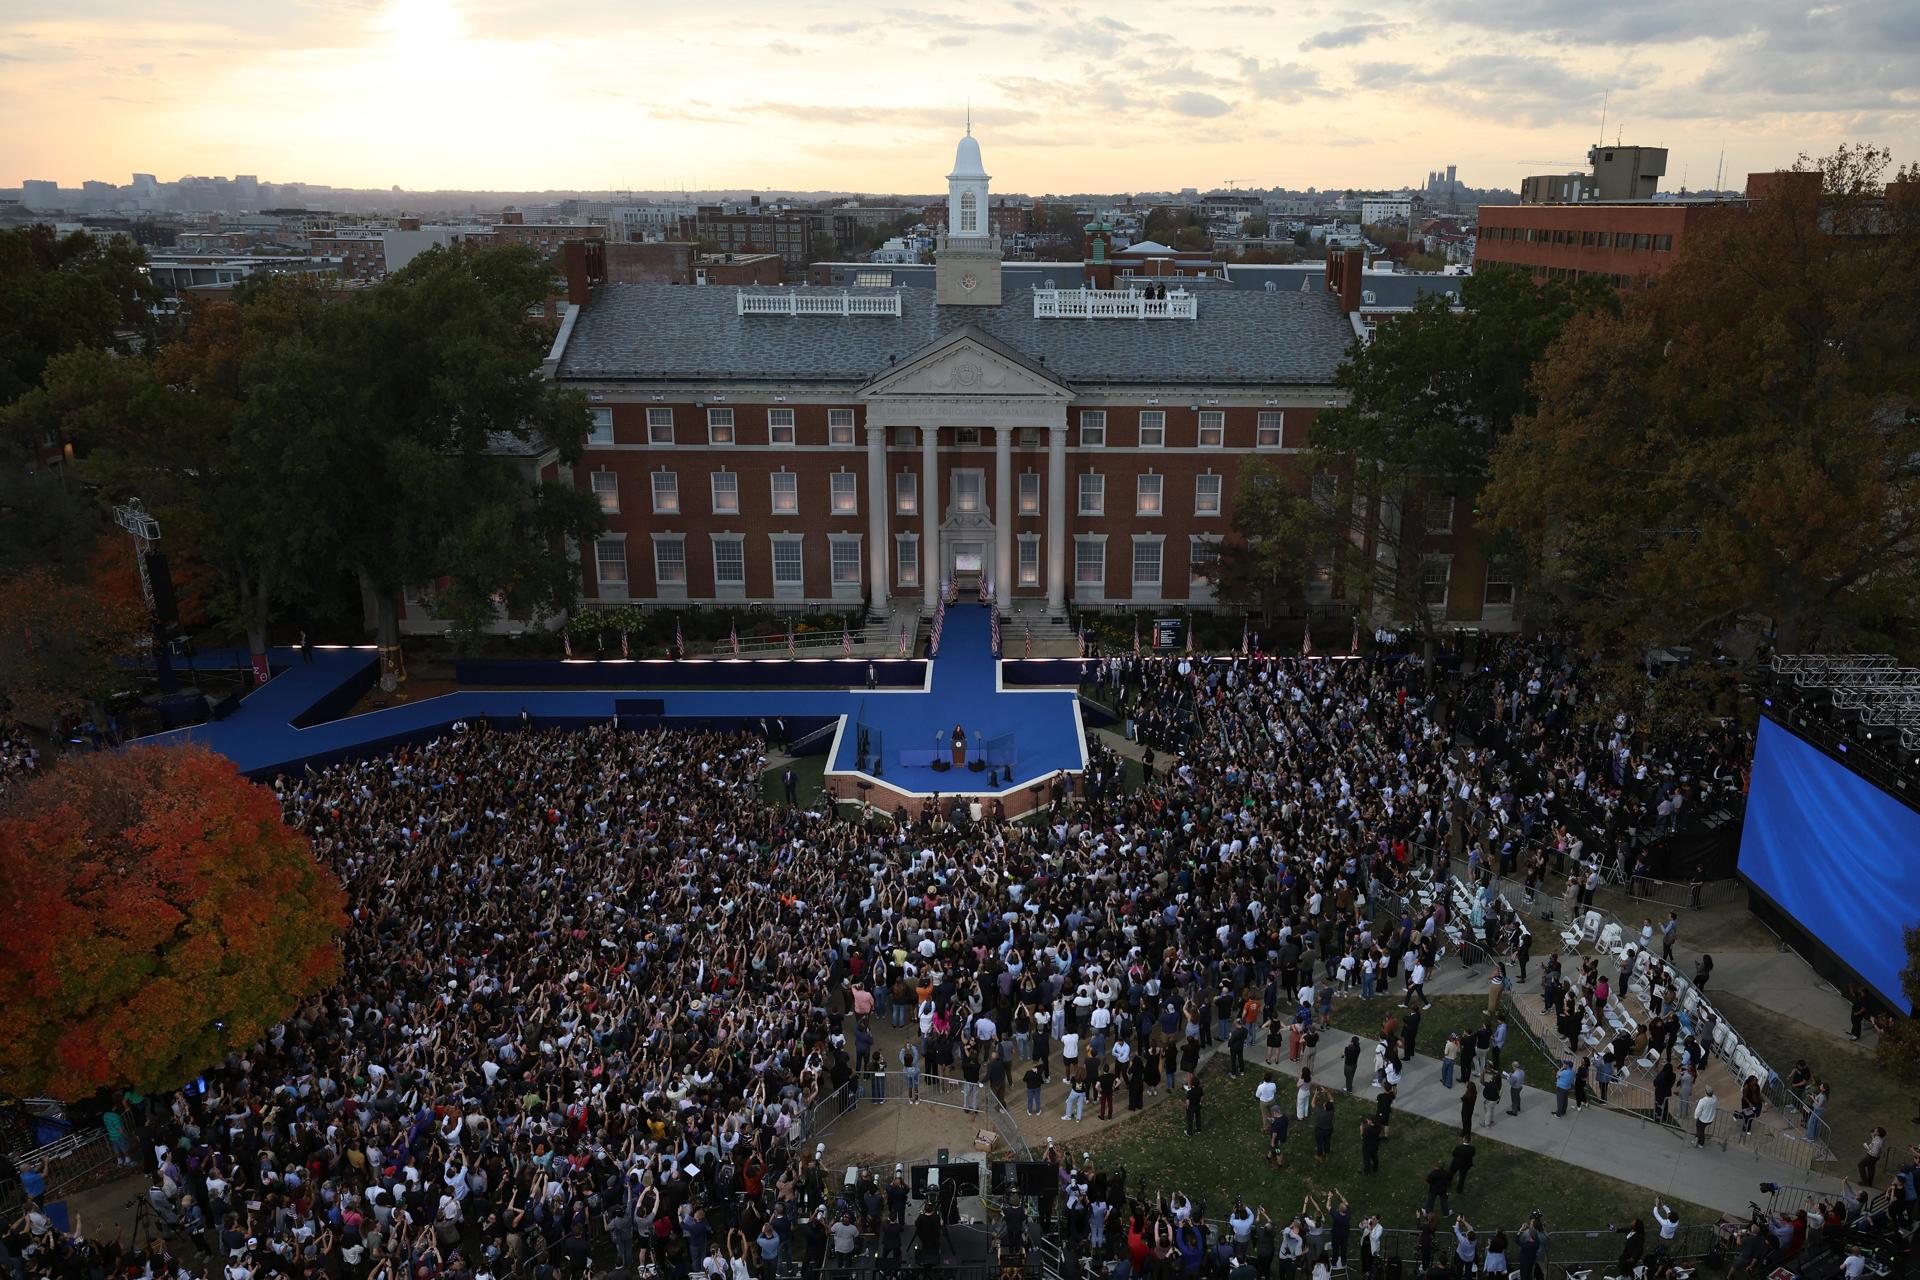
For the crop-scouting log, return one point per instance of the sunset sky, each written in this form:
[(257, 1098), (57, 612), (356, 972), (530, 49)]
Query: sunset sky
[(645, 94)]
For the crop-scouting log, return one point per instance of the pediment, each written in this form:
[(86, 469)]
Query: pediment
[(967, 362)]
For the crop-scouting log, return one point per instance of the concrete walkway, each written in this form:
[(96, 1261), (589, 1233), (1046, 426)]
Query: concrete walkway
[(1607, 1142)]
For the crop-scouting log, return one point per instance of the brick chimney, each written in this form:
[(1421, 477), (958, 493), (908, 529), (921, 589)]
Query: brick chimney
[(409, 224), (586, 263), (1344, 268)]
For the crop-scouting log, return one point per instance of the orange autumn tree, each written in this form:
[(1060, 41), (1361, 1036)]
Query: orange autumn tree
[(159, 913), (61, 637)]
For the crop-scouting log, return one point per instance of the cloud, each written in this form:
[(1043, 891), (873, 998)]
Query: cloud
[(1240, 10), (1280, 81), (785, 50), (1348, 36), (951, 42), (1202, 105)]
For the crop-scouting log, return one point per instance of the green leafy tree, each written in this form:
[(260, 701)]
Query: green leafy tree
[(165, 429), (1255, 224), (1429, 396), (62, 292), (1899, 1050), (1278, 532), (399, 437), (1739, 445)]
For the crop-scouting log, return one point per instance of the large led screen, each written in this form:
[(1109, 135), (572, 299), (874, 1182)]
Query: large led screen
[(1836, 853)]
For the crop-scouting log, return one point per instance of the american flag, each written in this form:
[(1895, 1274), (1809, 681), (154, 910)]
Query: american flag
[(1306, 641), (846, 641), (623, 639), (1245, 647), (793, 650), (566, 642), (1356, 633), (1136, 637), (1189, 637), (679, 641), (733, 637), (1029, 643)]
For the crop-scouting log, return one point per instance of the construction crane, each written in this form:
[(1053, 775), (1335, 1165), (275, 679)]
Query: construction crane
[(1231, 182)]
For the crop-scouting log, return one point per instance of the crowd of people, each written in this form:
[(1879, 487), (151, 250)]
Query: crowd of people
[(1601, 776), (595, 994)]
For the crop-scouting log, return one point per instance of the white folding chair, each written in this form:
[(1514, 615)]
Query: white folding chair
[(1590, 924)]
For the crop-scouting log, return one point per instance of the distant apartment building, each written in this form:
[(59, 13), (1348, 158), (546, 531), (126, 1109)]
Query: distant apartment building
[(546, 238), (361, 251), (666, 262), (1376, 210)]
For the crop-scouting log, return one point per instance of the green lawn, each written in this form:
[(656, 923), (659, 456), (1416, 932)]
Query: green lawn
[(808, 772), (1229, 1159), (1859, 1094), (1462, 1013)]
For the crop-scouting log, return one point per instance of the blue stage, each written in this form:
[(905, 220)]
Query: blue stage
[(286, 723)]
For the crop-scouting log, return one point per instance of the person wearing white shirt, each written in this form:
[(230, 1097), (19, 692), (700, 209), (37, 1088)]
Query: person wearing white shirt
[(1705, 1108)]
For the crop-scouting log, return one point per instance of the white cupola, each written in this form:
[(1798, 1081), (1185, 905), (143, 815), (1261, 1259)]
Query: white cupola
[(967, 192)]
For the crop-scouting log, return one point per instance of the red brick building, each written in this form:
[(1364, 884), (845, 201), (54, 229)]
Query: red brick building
[(838, 447), (1629, 243)]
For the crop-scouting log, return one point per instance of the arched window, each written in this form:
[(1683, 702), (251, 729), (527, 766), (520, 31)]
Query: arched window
[(969, 212)]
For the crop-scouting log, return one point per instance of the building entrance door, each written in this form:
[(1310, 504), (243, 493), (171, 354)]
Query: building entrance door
[(968, 564)]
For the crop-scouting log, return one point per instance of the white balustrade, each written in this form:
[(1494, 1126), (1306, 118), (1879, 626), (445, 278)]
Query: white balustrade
[(1113, 304), (799, 302)]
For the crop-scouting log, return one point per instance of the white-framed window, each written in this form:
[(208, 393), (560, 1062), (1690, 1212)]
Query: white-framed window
[(1206, 495), (1213, 429), (666, 492), (846, 560), (1093, 428), (1146, 562), (726, 493), (1270, 430), (786, 493), (606, 487), (906, 493), (1203, 553), (610, 559), (729, 560), (966, 435), (903, 438), (659, 426), (719, 426), (839, 426), (906, 559), (1027, 568), (669, 560), (1030, 493), (1093, 494), (1436, 575), (602, 427), (786, 561), (969, 213), (1090, 562), (846, 493), (969, 489), (1440, 513), (1146, 494), (1499, 593), (780, 426), (1153, 428)]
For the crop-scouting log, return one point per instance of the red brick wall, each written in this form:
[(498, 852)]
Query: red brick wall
[(1560, 235)]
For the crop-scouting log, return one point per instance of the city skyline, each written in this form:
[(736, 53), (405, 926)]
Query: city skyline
[(506, 95)]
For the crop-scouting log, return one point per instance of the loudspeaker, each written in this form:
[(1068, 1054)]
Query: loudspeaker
[(165, 609)]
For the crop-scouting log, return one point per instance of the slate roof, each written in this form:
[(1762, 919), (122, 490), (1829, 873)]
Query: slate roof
[(677, 333), (1390, 288)]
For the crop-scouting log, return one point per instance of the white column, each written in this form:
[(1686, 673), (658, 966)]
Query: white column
[(1057, 519), (930, 517), (1003, 517), (880, 578)]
